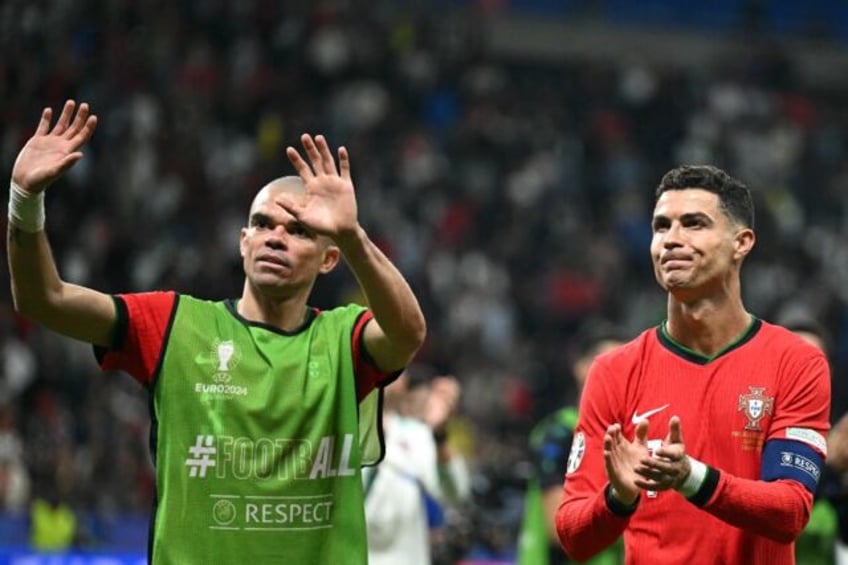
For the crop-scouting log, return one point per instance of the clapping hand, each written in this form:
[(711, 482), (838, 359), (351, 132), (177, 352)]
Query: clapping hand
[(442, 401), (623, 457), (668, 466)]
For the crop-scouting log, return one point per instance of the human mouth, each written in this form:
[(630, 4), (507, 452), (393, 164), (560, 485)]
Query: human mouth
[(675, 264), (671, 262), (274, 260)]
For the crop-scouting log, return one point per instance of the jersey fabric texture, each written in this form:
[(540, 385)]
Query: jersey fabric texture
[(550, 444), (768, 385), (256, 431)]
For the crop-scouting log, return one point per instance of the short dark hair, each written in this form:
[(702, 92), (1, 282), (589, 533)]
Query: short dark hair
[(734, 197)]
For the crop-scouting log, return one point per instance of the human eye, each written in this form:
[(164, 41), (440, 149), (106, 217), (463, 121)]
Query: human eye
[(260, 221), (300, 230), (695, 222)]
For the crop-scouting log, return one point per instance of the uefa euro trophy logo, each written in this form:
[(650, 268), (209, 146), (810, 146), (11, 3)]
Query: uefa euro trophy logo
[(225, 353), (226, 350)]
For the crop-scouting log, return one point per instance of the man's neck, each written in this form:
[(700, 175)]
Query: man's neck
[(706, 326), (286, 314)]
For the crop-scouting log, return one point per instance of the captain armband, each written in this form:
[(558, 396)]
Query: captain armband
[(790, 459), (26, 210)]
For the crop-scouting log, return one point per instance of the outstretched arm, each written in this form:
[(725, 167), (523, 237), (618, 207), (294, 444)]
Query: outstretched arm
[(398, 329), (37, 290)]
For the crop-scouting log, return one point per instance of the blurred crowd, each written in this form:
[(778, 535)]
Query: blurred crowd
[(515, 195)]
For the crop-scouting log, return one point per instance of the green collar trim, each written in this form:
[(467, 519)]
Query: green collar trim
[(690, 355)]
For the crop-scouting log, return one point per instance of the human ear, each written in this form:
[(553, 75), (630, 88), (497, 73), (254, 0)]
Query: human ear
[(744, 242), (243, 241), (332, 254)]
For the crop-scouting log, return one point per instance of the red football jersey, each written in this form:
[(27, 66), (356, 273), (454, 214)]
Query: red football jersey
[(767, 385)]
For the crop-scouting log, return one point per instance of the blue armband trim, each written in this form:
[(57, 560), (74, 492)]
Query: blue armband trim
[(788, 459)]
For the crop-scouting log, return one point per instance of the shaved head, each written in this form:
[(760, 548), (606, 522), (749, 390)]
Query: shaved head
[(267, 198), (291, 184)]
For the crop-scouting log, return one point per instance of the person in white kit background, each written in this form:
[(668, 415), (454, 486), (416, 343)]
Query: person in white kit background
[(405, 493)]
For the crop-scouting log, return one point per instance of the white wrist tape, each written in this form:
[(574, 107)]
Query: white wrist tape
[(26, 211), (696, 477)]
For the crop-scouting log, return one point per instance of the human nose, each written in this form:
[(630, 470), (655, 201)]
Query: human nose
[(277, 238), (673, 236)]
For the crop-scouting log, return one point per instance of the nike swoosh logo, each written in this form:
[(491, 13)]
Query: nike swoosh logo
[(645, 415)]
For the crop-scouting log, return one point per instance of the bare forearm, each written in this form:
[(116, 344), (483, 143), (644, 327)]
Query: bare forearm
[(39, 293), (389, 297), (33, 271)]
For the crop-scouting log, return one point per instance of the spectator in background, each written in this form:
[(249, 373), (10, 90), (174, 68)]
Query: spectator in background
[(14, 478), (836, 484), (405, 494), (550, 443), (469, 158), (731, 477), (53, 524), (254, 398), (826, 534)]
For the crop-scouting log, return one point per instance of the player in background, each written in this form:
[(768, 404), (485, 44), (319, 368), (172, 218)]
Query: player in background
[(263, 407), (407, 492), (836, 484), (703, 439), (826, 537), (550, 443)]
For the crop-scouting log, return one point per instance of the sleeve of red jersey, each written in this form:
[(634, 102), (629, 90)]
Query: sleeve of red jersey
[(367, 375), (142, 325), (585, 523), (803, 403), (779, 509)]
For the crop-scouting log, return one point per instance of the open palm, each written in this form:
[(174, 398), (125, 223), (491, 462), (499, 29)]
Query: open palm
[(329, 205), (623, 457), (51, 152)]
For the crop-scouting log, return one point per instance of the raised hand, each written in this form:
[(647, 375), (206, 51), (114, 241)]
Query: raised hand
[(51, 152), (329, 206), (669, 466), (622, 457), (442, 400)]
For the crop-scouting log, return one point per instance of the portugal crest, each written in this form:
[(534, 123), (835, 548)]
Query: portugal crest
[(755, 406)]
